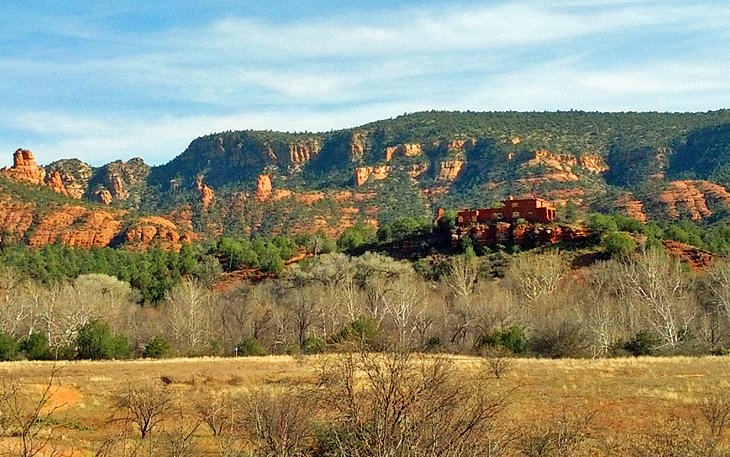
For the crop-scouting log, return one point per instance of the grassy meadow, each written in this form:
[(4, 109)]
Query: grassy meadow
[(606, 403)]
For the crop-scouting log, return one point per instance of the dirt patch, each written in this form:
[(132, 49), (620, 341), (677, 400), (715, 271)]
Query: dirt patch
[(62, 397)]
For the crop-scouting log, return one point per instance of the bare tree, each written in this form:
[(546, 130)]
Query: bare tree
[(145, 405), (187, 310), (537, 276), (278, 423), (399, 404), (661, 285), (28, 417), (404, 305), (462, 275), (219, 412), (13, 309)]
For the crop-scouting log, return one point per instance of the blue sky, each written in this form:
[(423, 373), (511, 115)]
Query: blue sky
[(106, 80)]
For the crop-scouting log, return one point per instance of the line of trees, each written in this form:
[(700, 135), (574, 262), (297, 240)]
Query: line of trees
[(643, 303)]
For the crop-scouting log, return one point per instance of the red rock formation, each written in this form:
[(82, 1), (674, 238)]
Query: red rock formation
[(593, 163), (632, 207), (459, 145), (449, 170), (302, 152), (357, 145), (104, 196), (15, 217), (263, 186), (69, 177), (56, 183), (362, 174), (697, 258), (207, 196), (76, 226), (153, 231), (24, 168), (417, 169), (526, 235), (689, 198), (408, 150), (117, 189)]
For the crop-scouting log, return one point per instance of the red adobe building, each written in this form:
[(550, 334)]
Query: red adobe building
[(529, 209)]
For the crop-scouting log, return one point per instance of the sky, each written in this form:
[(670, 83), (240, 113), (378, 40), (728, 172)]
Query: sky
[(106, 80)]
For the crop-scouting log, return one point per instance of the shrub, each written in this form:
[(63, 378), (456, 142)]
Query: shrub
[(643, 343), (251, 347), (8, 347), (158, 348), (629, 224), (364, 331), (601, 224), (96, 341), (313, 345), (564, 339), (35, 347), (619, 244), (511, 338)]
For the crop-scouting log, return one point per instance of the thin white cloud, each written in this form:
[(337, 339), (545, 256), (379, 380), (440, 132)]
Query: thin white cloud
[(319, 73)]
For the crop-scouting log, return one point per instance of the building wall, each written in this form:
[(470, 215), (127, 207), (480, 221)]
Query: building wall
[(530, 209)]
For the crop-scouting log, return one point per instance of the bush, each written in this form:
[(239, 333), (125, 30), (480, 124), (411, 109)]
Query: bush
[(511, 338), (250, 347), (35, 347), (643, 343), (629, 224), (158, 348), (8, 347), (601, 224), (364, 331), (313, 345), (356, 236), (619, 244), (565, 339), (96, 341)]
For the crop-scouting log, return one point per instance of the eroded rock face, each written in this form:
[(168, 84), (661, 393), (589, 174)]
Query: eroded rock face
[(56, 183), (363, 174), (24, 168), (698, 259), (15, 217), (207, 196), (407, 149), (263, 186), (593, 163), (525, 235), (632, 207), (357, 145), (449, 170), (459, 146), (302, 152), (153, 231), (104, 196), (690, 199), (417, 169), (69, 177), (123, 180), (76, 226)]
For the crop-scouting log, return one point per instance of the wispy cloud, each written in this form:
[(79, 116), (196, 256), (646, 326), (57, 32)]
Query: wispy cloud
[(102, 92)]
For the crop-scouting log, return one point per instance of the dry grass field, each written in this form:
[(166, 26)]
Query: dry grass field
[(618, 398)]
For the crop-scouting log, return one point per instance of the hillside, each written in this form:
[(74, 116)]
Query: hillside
[(651, 166)]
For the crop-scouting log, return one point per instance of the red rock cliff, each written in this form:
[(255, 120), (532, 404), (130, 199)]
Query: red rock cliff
[(24, 168)]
